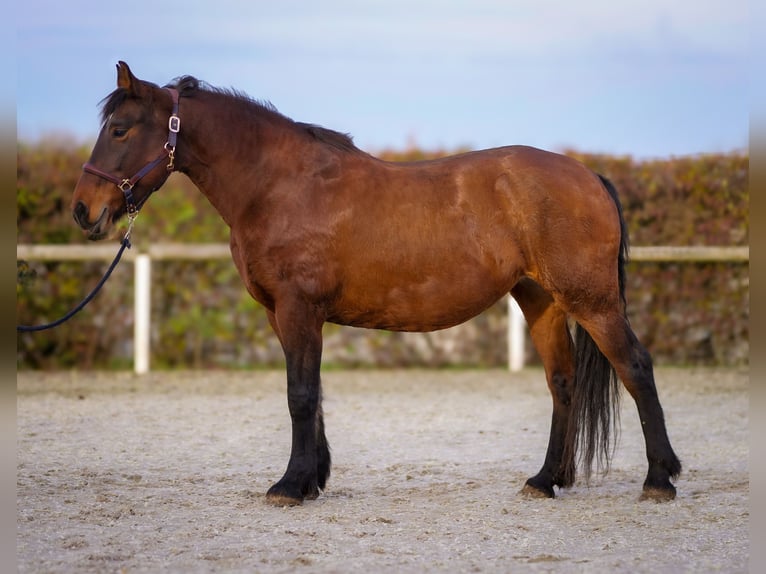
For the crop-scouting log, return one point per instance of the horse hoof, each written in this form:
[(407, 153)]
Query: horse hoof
[(532, 491), (282, 500), (656, 494), (282, 495)]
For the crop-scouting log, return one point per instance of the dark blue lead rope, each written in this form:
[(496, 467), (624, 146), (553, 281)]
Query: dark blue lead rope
[(84, 302)]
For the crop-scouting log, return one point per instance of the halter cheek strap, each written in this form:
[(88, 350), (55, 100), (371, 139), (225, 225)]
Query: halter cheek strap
[(168, 153)]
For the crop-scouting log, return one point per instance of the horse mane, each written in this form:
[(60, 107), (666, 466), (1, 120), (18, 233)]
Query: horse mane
[(332, 138), (189, 85)]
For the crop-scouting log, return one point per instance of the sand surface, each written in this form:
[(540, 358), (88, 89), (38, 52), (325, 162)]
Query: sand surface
[(167, 473)]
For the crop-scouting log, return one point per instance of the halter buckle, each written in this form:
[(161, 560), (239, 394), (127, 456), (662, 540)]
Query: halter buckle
[(174, 124), (125, 185)]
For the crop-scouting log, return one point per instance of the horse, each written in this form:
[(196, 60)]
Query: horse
[(321, 231)]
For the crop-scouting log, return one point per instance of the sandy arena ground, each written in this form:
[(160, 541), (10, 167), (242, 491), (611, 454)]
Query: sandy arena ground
[(167, 473)]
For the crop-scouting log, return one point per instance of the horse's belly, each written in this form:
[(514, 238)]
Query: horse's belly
[(427, 306)]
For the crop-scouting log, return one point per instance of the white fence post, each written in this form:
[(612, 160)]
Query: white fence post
[(516, 336), (142, 313)]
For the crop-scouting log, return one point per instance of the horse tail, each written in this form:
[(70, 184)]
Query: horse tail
[(595, 403)]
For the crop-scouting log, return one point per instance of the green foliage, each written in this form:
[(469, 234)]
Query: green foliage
[(701, 200), (46, 176), (204, 318), (180, 213)]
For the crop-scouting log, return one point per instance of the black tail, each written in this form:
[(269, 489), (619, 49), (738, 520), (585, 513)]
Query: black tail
[(594, 417), (622, 256)]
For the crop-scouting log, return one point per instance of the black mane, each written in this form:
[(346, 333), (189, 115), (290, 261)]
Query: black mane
[(330, 137), (188, 85)]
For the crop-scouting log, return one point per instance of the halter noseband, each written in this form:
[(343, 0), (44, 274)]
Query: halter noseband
[(126, 185)]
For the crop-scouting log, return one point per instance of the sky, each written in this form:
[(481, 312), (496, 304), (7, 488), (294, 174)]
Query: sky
[(646, 78)]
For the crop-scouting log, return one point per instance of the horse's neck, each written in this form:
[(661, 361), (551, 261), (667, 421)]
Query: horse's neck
[(225, 155)]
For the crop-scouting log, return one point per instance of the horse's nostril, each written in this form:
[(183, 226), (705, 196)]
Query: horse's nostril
[(80, 213)]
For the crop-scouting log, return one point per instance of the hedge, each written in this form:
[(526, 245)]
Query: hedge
[(203, 318)]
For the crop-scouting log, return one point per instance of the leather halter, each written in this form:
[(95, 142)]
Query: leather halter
[(168, 152)]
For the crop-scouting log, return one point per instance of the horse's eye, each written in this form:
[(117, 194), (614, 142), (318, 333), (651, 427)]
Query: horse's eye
[(119, 132)]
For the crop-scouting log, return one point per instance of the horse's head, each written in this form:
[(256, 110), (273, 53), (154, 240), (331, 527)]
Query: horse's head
[(133, 155)]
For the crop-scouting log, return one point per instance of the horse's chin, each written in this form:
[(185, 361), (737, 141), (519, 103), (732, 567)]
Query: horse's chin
[(101, 227), (97, 236)]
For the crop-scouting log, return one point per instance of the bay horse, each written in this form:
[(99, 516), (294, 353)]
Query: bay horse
[(324, 232)]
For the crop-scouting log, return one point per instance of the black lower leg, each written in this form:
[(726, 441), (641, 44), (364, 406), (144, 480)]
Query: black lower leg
[(555, 471), (663, 462), (300, 479), (323, 451), (309, 464)]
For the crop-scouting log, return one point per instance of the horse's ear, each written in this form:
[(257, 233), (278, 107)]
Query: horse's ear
[(125, 78)]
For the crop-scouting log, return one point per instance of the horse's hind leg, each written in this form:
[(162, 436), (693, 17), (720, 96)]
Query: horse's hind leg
[(550, 335), (632, 362)]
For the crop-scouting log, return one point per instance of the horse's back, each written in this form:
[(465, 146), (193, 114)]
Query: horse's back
[(514, 201), (427, 245)]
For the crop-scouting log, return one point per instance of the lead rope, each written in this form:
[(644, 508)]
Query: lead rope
[(124, 245)]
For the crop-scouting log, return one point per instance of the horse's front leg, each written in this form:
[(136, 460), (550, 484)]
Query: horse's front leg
[(299, 329)]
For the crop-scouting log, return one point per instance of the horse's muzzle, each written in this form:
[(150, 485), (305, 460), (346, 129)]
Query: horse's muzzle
[(97, 229)]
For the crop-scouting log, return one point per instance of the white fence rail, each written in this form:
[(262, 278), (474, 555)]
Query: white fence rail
[(208, 251)]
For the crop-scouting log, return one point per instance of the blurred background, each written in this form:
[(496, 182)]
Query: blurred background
[(654, 95), (642, 77)]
